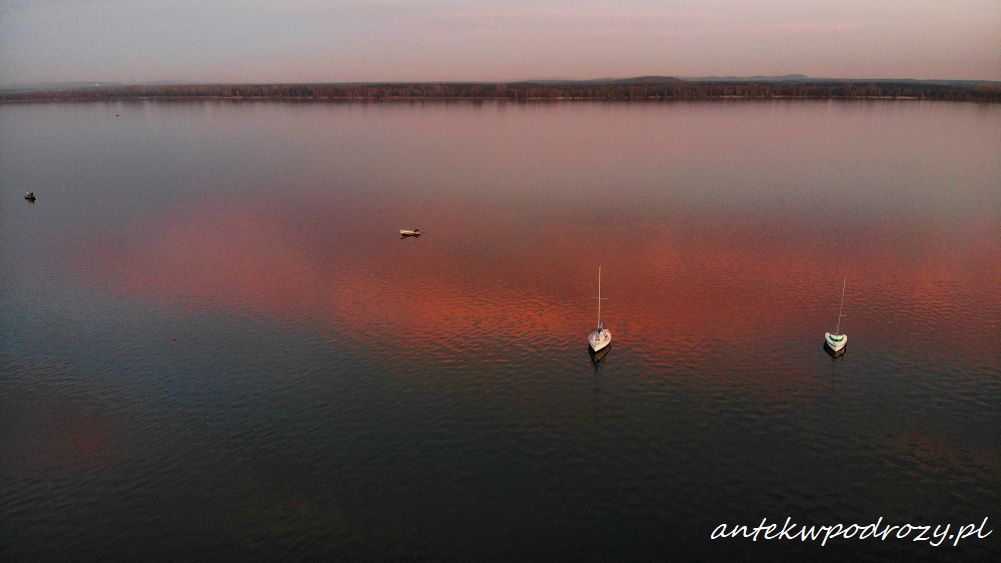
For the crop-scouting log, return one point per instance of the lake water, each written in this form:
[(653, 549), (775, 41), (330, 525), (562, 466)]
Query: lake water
[(213, 342)]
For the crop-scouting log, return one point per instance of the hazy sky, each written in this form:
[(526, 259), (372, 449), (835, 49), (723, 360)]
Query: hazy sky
[(354, 40)]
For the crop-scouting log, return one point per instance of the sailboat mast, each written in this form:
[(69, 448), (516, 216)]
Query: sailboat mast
[(599, 296), (840, 309)]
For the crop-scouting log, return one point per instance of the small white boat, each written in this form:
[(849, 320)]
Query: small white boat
[(415, 232), (601, 336), (837, 340)]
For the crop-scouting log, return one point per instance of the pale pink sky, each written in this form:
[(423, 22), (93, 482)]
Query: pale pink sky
[(398, 40)]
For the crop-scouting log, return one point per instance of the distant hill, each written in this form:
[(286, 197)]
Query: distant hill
[(757, 78), (805, 78)]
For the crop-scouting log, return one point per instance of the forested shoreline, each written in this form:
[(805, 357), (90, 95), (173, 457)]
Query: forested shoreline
[(656, 88)]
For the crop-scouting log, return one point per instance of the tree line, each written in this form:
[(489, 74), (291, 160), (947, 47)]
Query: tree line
[(662, 90)]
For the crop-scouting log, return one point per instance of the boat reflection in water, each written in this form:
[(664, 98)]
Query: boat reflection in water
[(599, 356), (834, 353)]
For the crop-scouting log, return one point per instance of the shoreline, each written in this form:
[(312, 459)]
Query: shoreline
[(644, 89), (422, 99)]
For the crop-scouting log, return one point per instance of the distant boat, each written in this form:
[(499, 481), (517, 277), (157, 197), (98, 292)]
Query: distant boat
[(415, 232), (601, 336), (837, 340), (30, 196)]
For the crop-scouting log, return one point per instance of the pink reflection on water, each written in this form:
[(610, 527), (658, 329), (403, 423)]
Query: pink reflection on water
[(480, 272)]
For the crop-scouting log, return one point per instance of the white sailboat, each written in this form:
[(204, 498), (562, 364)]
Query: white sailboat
[(601, 336), (837, 340)]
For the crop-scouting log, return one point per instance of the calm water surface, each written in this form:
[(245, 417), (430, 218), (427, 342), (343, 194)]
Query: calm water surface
[(214, 344)]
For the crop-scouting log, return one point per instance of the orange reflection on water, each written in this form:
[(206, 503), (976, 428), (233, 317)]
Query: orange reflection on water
[(696, 277)]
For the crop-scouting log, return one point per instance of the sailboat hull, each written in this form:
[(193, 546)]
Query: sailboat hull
[(835, 341), (599, 339)]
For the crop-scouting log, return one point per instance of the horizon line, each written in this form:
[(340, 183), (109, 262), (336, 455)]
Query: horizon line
[(710, 77)]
